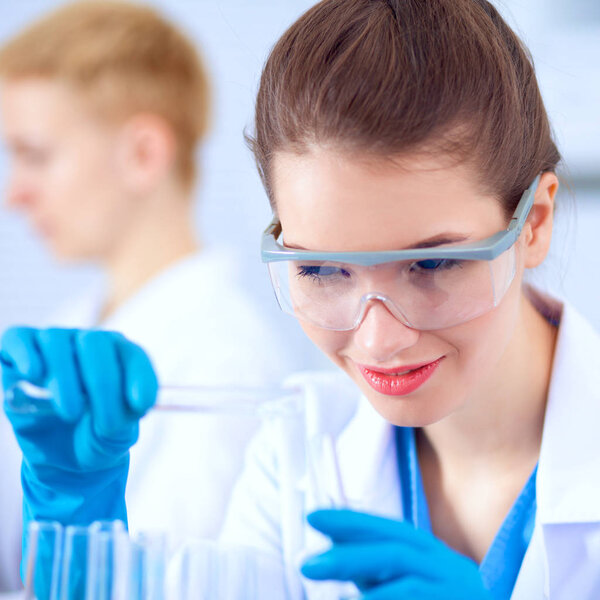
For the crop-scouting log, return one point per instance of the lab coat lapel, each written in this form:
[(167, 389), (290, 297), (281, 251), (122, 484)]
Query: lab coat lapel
[(367, 461), (563, 558), (367, 454)]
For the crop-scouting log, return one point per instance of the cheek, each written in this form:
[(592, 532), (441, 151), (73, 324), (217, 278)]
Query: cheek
[(474, 353), (90, 194), (86, 210), (481, 343), (84, 167), (67, 184)]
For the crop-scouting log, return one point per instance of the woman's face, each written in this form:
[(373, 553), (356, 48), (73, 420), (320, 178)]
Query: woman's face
[(328, 201)]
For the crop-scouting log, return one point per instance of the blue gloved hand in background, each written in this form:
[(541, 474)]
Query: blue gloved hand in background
[(76, 458), (391, 560)]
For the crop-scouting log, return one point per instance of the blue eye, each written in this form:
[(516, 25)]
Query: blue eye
[(435, 264), (432, 263), (322, 272)]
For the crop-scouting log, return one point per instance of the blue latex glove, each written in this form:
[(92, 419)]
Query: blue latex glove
[(391, 560), (76, 459)]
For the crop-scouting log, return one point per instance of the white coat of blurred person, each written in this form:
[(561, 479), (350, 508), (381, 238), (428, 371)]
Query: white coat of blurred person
[(102, 107)]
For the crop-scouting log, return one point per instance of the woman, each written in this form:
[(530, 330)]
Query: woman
[(408, 159), (407, 155)]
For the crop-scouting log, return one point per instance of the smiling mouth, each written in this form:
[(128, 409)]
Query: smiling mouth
[(400, 382), (396, 372)]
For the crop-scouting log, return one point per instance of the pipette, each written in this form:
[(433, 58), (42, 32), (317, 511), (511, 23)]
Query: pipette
[(25, 397)]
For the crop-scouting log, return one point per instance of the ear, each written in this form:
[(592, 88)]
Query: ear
[(146, 152), (538, 227)]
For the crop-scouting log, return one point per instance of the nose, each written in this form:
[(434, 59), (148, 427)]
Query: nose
[(381, 335)]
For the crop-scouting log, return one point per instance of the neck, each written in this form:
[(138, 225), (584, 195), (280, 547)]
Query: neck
[(502, 426), (161, 235)]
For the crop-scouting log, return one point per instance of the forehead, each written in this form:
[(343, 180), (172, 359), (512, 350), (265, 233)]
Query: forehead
[(36, 105), (328, 200)]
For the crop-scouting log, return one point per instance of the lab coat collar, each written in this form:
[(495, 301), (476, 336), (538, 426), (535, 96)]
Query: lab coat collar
[(367, 455), (569, 464), (365, 446)]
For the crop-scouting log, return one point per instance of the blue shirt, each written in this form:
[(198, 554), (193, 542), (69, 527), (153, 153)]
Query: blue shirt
[(502, 562)]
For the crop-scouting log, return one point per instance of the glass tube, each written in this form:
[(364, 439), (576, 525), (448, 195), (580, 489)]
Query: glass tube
[(25, 397)]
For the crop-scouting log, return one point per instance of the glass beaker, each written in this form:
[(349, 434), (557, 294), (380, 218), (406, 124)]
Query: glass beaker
[(209, 570)]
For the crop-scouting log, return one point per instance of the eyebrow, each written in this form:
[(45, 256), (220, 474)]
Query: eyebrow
[(441, 239)]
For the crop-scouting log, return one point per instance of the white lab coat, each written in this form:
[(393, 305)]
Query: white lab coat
[(199, 327), (563, 558)]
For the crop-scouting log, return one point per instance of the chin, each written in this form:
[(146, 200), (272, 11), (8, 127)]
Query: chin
[(414, 410), (64, 254), (405, 413), (68, 252)]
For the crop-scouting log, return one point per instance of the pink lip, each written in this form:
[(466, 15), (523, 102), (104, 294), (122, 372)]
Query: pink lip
[(384, 382)]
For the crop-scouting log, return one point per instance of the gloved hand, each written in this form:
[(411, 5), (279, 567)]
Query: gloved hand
[(391, 560), (76, 458)]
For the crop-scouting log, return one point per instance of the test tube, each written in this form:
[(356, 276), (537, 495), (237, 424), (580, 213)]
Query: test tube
[(104, 540), (25, 397), (97, 562), (43, 560), (73, 575), (141, 575)]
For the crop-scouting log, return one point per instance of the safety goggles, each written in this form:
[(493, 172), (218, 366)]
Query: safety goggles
[(425, 288)]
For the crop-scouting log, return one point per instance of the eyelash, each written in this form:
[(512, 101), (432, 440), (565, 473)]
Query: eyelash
[(318, 274), (443, 264), (312, 271)]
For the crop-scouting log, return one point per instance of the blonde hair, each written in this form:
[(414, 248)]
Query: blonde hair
[(127, 59)]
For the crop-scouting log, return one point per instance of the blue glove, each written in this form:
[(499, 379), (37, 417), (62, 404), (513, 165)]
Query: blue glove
[(391, 560), (76, 457)]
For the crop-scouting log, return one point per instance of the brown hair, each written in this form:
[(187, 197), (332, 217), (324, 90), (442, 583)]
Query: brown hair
[(127, 59), (389, 77)]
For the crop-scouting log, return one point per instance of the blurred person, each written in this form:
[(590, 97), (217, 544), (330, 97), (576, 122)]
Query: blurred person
[(102, 107)]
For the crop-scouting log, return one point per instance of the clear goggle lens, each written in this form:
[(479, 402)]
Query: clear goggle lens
[(423, 294)]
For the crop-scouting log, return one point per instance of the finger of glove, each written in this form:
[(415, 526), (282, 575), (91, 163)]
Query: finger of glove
[(64, 376), (94, 452), (412, 588), (21, 356), (409, 588), (343, 525), (103, 378), (374, 562), (140, 382)]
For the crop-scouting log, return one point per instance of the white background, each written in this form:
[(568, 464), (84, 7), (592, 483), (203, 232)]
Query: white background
[(235, 37)]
